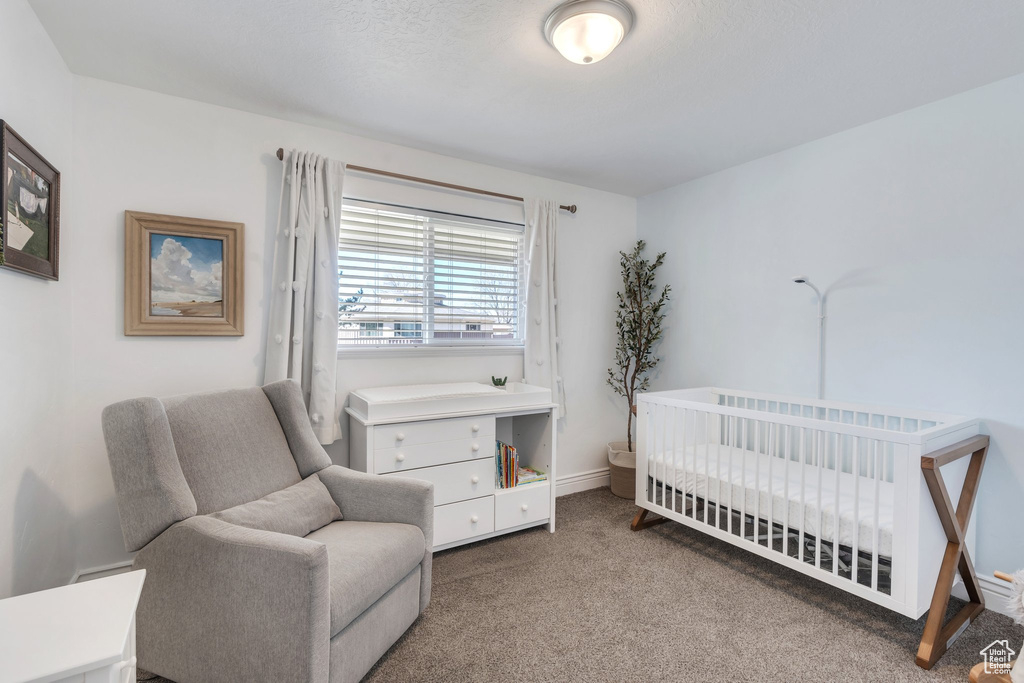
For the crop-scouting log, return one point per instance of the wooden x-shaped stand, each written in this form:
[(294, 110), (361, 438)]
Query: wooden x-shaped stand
[(937, 637)]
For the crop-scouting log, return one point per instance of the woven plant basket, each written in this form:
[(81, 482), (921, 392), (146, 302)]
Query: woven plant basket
[(622, 467)]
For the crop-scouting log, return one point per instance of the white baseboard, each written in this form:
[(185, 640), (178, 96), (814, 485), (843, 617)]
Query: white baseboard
[(995, 592), (583, 481), (101, 572)]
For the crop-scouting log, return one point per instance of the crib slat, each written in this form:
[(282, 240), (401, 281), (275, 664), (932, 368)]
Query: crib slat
[(652, 489), (785, 493), (855, 467), (707, 483), (732, 446), (667, 454), (696, 482), (658, 450), (675, 446), (819, 441), (743, 479), (659, 412), (652, 418), (803, 487), (683, 474), (718, 473), (771, 493), (668, 484), (772, 452), (874, 544), (757, 481), (680, 475), (837, 466)]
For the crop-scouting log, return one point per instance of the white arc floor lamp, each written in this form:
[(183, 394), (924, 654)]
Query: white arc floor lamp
[(821, 332)]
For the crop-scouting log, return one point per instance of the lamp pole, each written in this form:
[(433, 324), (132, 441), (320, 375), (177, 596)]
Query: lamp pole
[(821, 332)]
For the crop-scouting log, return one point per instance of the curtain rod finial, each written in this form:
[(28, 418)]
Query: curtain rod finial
[(280, 154), (571, 208)]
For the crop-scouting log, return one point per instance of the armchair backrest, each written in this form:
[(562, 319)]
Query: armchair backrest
[(201, 453)]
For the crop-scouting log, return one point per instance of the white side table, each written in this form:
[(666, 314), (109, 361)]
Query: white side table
[(83, 633)]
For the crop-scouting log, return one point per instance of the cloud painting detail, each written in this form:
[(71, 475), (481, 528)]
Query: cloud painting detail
[(186, 276)]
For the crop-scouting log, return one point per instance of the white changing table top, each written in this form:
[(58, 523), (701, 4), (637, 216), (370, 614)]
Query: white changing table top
[(67, 630), (381, 405)]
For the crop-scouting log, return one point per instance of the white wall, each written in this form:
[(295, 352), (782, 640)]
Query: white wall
[(37, 548), (915, 223), (144, 151)]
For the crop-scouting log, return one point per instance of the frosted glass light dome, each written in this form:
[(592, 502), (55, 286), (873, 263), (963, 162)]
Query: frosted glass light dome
[(586, 31)]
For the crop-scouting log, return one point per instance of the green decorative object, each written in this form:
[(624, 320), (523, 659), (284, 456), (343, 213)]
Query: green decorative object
[(638, 322), (499, 382)]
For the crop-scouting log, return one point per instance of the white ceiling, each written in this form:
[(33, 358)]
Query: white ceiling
[(698, 86)]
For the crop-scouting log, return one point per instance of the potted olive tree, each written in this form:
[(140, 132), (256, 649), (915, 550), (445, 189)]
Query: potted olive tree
[(638, 322)]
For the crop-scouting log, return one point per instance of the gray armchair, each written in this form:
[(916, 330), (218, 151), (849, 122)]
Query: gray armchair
[(250, 577)]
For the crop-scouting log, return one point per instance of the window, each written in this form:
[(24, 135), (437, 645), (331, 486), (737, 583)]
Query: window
[(408, 330), (412, 277)]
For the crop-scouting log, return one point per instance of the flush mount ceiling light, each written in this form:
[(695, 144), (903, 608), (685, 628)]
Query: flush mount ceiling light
[(586, 31)]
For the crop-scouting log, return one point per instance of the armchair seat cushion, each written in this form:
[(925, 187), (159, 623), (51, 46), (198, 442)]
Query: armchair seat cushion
[(366, 560)]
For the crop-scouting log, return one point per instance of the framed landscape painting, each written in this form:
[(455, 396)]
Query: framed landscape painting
[(30, 201), (183, 276)]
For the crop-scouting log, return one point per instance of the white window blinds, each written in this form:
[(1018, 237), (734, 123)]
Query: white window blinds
[(411, 277)]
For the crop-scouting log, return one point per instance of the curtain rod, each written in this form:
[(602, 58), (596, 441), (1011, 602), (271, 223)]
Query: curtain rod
[(571, 208)]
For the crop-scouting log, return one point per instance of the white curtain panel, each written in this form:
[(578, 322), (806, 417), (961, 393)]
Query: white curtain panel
[(302, 337), (540, 365)]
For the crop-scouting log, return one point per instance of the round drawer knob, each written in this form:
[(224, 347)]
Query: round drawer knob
[(476, 428), (400, 457), (475, 479), (476, 447), (525, 506), (474, 519), (400, 436)]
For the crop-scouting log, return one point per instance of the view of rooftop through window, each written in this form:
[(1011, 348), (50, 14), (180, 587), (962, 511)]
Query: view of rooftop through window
[(419, 278)]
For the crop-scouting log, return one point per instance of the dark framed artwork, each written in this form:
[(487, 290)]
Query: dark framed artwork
[(30, 201), (183, 276)]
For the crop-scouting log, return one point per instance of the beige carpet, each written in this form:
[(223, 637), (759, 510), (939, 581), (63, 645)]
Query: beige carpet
[(597, 602)]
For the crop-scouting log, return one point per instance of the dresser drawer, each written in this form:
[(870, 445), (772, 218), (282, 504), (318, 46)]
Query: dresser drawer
[(431, 431), (430, 454), (458, 481), (458, 521), (522, 505)]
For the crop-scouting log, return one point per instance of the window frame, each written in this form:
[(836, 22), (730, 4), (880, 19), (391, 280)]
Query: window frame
[(431, 345)]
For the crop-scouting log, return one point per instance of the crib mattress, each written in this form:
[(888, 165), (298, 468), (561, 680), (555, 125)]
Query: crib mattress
[(728, 486)]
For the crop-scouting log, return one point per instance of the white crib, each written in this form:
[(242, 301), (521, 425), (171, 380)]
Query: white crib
[(832, 490)]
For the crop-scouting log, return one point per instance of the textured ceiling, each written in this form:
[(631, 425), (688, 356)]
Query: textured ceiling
[(698, 86)]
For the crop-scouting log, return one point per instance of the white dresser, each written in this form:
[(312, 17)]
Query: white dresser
[(446, 434), (82, 633)]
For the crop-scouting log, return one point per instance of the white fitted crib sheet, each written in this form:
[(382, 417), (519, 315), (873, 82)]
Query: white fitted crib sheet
[(689, 476)]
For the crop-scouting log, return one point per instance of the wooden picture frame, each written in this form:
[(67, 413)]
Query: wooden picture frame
[(183, 276), (29, 208)]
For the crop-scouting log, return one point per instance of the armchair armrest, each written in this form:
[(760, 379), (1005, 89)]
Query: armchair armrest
[(373, 498), (223, 602)]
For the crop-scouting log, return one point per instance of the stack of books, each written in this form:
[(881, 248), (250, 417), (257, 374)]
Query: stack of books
[(507, 465), (529, 475), (509, 472)]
